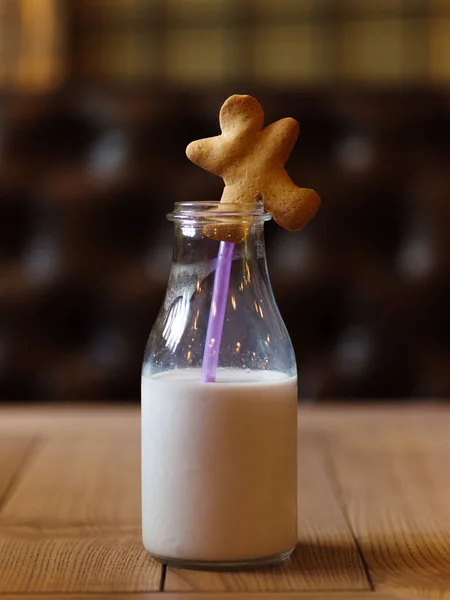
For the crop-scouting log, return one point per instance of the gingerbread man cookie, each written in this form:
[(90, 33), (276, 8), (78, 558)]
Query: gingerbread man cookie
[(250, 158)]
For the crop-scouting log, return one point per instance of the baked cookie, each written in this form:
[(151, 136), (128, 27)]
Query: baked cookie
[(250, 158)]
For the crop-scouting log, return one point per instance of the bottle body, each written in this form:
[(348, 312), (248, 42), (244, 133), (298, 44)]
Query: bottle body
[(219, 459)]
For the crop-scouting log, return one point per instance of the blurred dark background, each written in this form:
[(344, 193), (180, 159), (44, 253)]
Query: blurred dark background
[(98, 99)]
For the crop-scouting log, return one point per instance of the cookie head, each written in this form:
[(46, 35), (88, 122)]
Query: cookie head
[(241, 114)]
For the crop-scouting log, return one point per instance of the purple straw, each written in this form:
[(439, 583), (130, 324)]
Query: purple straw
[(217, 311)]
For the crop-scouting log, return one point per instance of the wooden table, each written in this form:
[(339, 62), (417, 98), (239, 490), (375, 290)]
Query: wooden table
[(374, 508)]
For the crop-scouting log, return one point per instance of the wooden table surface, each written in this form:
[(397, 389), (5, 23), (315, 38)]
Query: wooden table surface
[(374, 509)]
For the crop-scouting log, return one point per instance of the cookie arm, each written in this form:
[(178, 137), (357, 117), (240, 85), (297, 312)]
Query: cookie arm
[(280, 138), (207, 154)]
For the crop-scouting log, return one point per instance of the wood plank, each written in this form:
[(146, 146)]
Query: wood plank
[(75, 560), (212, 596), (397, 495), (326, 557), (13, 452), (68, 421), (388, 420), (79, 481)]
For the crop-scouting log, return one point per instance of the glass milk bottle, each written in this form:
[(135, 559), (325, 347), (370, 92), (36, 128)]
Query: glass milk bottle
[(219, 458)]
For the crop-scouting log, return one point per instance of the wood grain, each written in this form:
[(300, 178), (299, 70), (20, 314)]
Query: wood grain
[(74, 560), (397, 493), (326, 557), (79, 481), (64, 421), (70, 515), (212, 596), (332, 417), (13, 452)]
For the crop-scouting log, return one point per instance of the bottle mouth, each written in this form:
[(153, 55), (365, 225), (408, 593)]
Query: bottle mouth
[(204, 210)]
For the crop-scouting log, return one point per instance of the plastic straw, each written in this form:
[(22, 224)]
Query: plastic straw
[(217, 312)]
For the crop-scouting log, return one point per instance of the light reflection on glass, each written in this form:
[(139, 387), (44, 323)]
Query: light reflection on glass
[(176, 321), (196, 319), (188, 230)]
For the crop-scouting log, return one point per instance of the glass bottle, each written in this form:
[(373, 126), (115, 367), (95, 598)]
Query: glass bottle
[(219, 459)]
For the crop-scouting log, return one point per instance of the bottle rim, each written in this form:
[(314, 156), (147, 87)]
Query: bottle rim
[(217, 210)]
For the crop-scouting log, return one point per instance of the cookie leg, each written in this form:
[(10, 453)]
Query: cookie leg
[(291, 207)]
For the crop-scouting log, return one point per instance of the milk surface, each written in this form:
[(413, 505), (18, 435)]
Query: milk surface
[(219, 465)]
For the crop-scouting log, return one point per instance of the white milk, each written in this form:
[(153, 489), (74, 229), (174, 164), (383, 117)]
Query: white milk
[(219, 465)]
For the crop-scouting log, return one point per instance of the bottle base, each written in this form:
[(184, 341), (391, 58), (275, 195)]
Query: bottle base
[(232, 565)]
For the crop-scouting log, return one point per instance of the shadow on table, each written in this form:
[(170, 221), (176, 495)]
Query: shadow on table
[(337, 560), (313, 566)]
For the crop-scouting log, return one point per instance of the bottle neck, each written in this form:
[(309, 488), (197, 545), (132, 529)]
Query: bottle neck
[(192, 246), (200, 226)]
